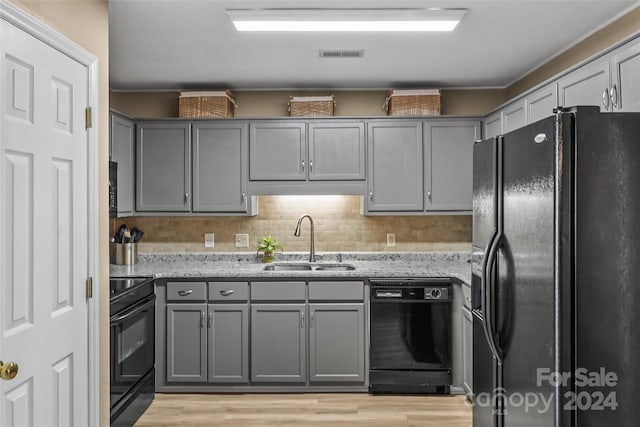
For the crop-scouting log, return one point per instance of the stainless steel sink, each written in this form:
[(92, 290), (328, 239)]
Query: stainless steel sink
[(308, 267), (335, 267), (288, 267)]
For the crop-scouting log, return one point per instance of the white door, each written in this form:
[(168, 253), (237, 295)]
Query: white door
[(44, 258)]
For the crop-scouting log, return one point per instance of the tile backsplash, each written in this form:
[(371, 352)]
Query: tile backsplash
[(339, 226)]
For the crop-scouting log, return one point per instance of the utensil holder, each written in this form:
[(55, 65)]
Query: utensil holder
[(126, 253)]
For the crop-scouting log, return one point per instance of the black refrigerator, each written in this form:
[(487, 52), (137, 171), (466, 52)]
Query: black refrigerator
[(556, 273)]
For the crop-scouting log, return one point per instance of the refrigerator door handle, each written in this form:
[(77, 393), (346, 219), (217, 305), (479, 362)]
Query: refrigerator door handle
[(488, 294)]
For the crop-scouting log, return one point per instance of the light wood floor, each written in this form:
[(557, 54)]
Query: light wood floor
[(300, 410)]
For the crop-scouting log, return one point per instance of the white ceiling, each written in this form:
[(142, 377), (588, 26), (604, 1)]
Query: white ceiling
[(191, 44)]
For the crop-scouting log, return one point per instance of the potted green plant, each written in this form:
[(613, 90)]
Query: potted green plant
[(268, 246)]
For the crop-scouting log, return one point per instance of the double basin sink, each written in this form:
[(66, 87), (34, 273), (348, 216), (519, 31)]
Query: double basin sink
[(303, 266)]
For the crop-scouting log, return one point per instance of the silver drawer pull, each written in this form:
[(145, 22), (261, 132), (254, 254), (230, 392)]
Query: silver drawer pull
[(185, 293), (227, 292)]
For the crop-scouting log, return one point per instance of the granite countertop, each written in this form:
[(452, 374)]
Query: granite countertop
[(243, 264)]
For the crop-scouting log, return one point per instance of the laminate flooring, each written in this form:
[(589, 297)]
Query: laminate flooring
[(306, 409)]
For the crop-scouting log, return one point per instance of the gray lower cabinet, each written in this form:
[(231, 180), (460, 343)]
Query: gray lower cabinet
[(228, 343), (220, 167), (467, 351), (336, 342), (122, 151), (186, 330), (163, 172), (448, 160), (394, 166), (278, 343)]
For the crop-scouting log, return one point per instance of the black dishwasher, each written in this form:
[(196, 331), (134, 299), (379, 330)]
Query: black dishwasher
[(410, 336)]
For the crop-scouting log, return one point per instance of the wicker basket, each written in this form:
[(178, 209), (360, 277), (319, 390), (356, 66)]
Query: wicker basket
[(419, 102), (207, 104), (311, 106)]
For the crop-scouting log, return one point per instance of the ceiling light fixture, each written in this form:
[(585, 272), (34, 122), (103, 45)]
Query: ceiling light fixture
[(346, 20)]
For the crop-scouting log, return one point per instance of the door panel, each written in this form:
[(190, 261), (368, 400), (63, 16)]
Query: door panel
[(540, 104), (123, 152), (336, 151), (485, 217), (514, 116), (44, 213), (483, 377), (278, 151), (586, 85), (626, 63), (228, 343)]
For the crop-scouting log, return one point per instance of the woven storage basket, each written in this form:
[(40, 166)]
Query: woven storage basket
[(419, 102), (311, 106), (207, 104)]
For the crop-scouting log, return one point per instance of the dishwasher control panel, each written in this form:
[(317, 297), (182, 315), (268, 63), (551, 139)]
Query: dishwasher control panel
[(411, 290)]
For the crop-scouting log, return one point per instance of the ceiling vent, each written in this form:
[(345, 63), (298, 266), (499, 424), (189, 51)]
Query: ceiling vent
[(357, 53)]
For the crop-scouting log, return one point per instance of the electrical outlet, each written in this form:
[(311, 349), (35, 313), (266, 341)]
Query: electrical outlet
[(242, 240), (391, 239), (208, 240)]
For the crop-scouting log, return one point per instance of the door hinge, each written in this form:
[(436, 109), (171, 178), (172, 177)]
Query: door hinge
[(87, 118), (89, 285)]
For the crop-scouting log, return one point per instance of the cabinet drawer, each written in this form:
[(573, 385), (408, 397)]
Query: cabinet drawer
[(466, 292), (186, 291), (278, 291), (336, 291), (228, 291)]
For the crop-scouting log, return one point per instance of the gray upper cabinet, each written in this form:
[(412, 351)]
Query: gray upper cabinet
[(278, 151), (540, 103), (336, 151), (220, 169), (228, 343), (336, 343), (186, 343), (122, 149), (394, 166), (625, 91), (278, 343), (163, 173), (448, 150), (588, 85), (492, 125), (514, 115)]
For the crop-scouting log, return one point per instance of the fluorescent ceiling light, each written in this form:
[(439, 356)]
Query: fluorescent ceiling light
[(346, 20)]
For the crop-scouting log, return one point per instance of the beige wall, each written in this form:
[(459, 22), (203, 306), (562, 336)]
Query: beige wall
[(86, 22), (338, 227), (615, 32), (274, 103)]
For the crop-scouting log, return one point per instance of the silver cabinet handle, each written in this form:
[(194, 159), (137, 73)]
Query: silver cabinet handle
[(606, 99), (303, 166), (186, 198), (311, 319), (226, 292), (243, 197), (185, 293), (302, 319), (371, 196), (310, 165), (614, 97), (202, 319), (429, 195), (210, 318)]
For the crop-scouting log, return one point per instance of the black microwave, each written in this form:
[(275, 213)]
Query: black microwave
[(113, 189)]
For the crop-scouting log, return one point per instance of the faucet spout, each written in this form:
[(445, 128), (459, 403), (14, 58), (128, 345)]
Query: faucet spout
[(312, 250)]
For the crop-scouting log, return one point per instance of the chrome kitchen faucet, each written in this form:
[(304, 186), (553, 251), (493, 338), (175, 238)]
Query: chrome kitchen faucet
[(312, 251)]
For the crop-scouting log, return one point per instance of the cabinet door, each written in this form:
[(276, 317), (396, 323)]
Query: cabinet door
[(449, 164), (514, 116), (395, 180), (493, 125), (228, 343), (220, 157), (122, 152), (278, 343), (278, 151), (336, 343), (336, 151), (540, 104), (467, 351), (186, 343), (626, 68), (587, 86), (163, 171)]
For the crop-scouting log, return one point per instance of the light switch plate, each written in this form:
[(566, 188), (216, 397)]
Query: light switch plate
[(242, 240), (391, 239), (209, 240)]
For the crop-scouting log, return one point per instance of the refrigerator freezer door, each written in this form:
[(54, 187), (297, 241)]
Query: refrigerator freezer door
[(484, 198), (483, 377), (524, 294)]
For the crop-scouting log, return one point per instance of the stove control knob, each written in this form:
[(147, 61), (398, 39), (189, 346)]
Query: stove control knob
[(436, 293)]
